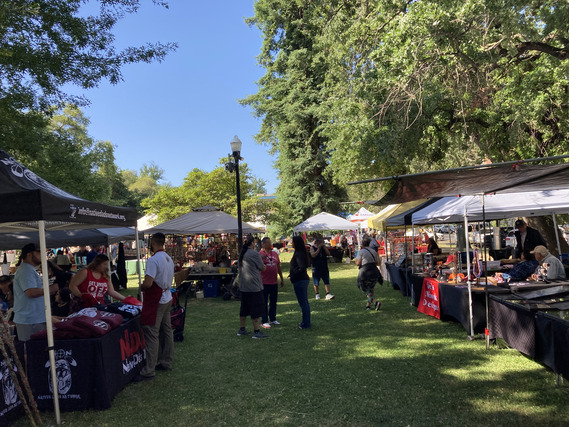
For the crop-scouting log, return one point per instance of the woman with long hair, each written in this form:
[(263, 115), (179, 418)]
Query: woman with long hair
[(92, 283), (299, 278)]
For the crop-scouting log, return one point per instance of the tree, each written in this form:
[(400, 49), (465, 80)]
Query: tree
[(47, 44), (288, 101), (201, 188)]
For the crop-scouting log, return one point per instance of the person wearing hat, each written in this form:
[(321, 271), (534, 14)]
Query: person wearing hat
[(552, 267), (527, 238), (29, 310)]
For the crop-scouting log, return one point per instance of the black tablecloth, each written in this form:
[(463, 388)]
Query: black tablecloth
[(455, 306), (10, 404), (90, 371), (416, 288), (552, 343), (514, 323), (399, 278)]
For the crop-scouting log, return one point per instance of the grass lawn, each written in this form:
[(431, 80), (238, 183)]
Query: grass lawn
[(395, 367)]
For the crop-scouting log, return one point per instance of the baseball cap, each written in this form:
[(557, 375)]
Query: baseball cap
[(519, 223), (542, 250), (29, 248)]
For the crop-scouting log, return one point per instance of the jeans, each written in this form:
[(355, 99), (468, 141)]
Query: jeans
[(271, 293), (301, 291)]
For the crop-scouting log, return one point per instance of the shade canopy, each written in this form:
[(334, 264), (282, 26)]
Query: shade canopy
[(25, 198), (204, 220), (57, 238), (406, 217), (497, 206), (324, 221), (360, 216), (379, 221), (485, 180)]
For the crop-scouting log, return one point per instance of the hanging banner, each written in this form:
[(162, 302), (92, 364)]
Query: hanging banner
[(430, 303)]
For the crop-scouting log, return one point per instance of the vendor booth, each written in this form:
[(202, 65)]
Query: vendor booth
[(481, 182), (29, 203), (323, 222)]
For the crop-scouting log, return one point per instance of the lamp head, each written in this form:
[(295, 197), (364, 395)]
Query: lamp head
[(236, 146)]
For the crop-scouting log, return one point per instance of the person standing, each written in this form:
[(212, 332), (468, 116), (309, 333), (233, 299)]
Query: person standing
[(319, 253), (527, 238), (156, 305), (368, 262), (29, 308), (251, 286), (270, 286), (299, 278), (374, 244)]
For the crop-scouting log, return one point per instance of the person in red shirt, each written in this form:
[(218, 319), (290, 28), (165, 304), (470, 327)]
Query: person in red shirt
[(92, 283), (270, 286)]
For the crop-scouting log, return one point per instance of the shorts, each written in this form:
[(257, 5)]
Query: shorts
[(367, 285), (316, 278), (252, 304), (24, 331)]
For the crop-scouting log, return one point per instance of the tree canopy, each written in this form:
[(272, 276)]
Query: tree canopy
[(215, 188), (386, 87)]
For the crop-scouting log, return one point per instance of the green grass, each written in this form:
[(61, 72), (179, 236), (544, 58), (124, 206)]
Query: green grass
[(395, 367)]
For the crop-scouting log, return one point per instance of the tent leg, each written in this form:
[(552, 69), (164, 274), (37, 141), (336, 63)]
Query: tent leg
[(49, 325), (469, 282), (557, 237)]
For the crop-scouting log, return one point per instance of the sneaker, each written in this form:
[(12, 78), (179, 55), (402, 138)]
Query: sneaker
[(276, 322), (377, 305), (301, 326), (317, 296), (266, 325), (161, 367), (329, 296), (259, 335), (242, 332), (368, 307)]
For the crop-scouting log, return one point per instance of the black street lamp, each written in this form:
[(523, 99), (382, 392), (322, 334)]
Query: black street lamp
[(234, 166)]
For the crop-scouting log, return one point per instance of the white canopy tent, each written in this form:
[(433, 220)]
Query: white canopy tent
[(492, 207), (324, 221), (497, 206)]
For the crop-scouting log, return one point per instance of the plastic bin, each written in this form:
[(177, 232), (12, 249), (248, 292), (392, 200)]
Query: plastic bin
[(210, 288)]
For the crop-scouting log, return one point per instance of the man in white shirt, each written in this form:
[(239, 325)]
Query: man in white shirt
[(155, 317)]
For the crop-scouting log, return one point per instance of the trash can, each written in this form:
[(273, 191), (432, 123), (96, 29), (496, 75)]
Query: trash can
[(210, 288)]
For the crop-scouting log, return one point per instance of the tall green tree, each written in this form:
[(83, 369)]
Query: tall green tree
[(215, 188), (288, 101), (46, 45), (420, 85)]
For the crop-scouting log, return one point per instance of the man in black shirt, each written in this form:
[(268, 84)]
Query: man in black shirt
[(527, 238)]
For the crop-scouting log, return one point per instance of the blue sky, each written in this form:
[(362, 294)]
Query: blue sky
[(182, 113)]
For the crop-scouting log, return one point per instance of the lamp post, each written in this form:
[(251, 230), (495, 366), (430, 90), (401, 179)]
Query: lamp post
[(236, 154)]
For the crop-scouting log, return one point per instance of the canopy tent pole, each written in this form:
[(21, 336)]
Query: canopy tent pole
[(138, 261), (557, 237), (469, 282), (412, 246), (49, 324), (485, 263)]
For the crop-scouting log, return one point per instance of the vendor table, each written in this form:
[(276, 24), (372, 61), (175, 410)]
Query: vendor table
[(10, 404), (399, 278), (90, 372), (222, 277), (542, 336), (454, 304)]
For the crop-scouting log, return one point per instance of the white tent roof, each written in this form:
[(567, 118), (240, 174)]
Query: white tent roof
[(362, 215), (325, 221), (497, 206)]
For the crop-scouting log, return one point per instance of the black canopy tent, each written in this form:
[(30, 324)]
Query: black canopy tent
[(56, 238), (484, 179), (29, 203)]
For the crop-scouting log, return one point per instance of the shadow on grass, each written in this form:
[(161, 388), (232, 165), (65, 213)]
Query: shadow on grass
[(395, 367)]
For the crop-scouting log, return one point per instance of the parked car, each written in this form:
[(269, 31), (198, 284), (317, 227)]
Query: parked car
[(445, 229)]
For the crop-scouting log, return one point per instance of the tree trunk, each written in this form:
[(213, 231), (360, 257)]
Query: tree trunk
[(544, 224)]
